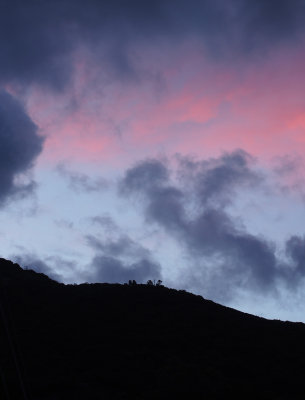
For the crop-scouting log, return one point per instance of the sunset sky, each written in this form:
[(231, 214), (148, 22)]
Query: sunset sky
[(157, 139)]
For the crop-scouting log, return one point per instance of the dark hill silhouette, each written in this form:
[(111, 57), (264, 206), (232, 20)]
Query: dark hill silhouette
[(111, 341)]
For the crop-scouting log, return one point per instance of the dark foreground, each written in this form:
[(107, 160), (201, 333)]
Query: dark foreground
[(105, 341)]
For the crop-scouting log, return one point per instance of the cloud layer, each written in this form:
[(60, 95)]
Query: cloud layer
[(120, 260), (20, 144), (192, 206), (39, 39), (110, 82)]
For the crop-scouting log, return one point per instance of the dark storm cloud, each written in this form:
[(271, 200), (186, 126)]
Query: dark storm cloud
[(121, 259), (81, 182), (191, 209), (20, 144), (38, 39)]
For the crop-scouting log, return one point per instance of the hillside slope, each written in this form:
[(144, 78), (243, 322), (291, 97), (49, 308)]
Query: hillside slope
[(106, 341)]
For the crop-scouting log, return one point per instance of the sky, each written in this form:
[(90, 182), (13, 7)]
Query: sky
[(157, 140)]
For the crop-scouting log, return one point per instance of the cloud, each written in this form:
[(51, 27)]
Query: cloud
[(143, 176), (20, 144), (56, 267), (190, 205), (295, 249), (287, 165), (121, 259), (81, 182), (122, 246), (215, 180), (39, 40), (114, 262), (113, 270), (32, 261), (106, 222), (34, 44), (273, 20)]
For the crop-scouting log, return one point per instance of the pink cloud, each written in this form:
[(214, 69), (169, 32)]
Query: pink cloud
[(202, 107)]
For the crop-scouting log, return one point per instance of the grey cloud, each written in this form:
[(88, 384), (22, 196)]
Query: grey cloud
[(115, 261), (214, 233), (81, 182), (215, 180), (113, 270), (288, 171), (58, 268), (105, 221), (295, 249), (20, 144), (288, 164), (121, 259), (35, 45), (63, 223), (144, 176), (271, 21), (38, 39), (122, 246), (166, 207), (31, 261), (151, 178), (207, 232)]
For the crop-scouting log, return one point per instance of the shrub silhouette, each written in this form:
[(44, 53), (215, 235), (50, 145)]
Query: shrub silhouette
[(154, 283)]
